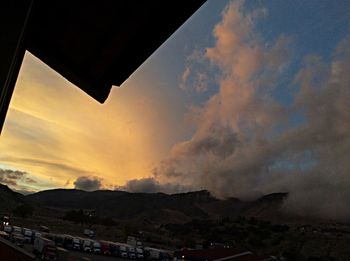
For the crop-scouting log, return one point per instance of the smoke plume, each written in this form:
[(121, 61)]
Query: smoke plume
[(244, 144), (151, 185)]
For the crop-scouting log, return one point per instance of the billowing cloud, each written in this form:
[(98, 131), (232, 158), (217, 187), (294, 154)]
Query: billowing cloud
[(199, 81), (151, 185), (88, 183), (184, 78), (244, 144)]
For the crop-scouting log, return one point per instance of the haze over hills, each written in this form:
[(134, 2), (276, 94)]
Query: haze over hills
[(156, 207)]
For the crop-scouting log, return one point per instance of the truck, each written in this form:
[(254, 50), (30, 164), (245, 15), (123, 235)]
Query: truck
[(28, 235), (63, 254), (88, 232), (131, 240), (4, 235), (8, 229), (96, 247), (139, 253), (45, 249), (76, 243), (5, 221), (37, 234), (156, 254), (59, 240), (87, 245), (106, 247), (16, 229), (134, 241), (68, 242), (123, 251), (132, 252)]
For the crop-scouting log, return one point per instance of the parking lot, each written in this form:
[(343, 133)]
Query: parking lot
[(79, 256), (50, 246)]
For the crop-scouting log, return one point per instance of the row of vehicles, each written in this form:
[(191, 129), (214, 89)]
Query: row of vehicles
[(17, 235), (103, 247), (46, 245)]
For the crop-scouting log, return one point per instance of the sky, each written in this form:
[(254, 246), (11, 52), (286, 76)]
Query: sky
[(246, 98)]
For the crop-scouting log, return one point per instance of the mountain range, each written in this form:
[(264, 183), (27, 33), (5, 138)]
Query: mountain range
[(154, 207)]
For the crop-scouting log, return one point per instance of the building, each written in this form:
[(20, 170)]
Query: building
[(218, 254)]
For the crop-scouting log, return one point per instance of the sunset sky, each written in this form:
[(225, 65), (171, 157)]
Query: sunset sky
[(246, 98)]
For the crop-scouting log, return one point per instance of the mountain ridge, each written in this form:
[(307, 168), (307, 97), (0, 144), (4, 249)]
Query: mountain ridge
[(160, 207)]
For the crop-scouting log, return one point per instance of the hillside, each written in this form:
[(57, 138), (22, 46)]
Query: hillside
[(157, 207), (9, 199), (123, 205)]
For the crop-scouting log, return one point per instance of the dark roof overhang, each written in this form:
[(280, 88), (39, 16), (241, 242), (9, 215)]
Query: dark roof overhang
[(93, 44)]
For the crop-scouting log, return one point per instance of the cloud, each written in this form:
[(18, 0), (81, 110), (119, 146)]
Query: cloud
[(151, 185), (244, 145), (11, 177), (48, 164), (24, 191), (88, 183), (186, 74), (194, 77), (52, 138)]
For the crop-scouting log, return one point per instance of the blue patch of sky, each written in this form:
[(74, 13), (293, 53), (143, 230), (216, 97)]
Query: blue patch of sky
[(316, 28), (194, 36), (169, 60), (296, 119), (304, 161), (168, 63), (316, 25)]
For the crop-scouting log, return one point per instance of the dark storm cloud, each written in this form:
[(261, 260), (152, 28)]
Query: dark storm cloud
[(88, 183), (151, 185)]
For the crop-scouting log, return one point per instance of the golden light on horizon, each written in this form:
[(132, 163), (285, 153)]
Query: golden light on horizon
[(57, 133)]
